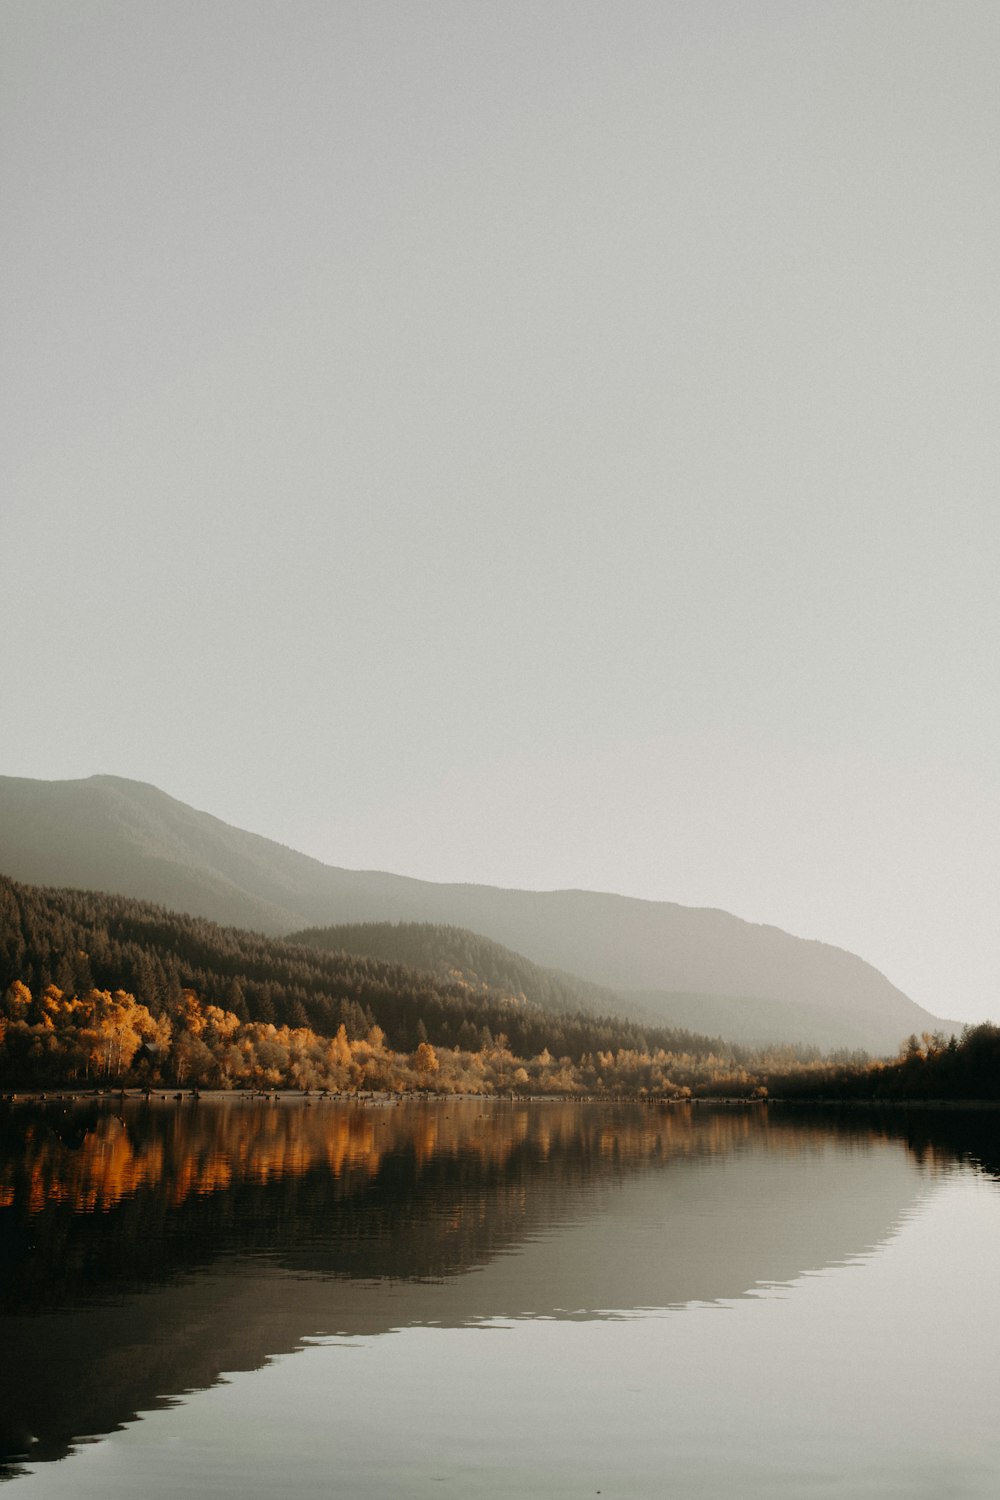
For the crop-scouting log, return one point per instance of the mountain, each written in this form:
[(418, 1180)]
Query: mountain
[(107, 833)]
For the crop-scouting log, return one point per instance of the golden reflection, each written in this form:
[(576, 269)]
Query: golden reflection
[(195, 1150)]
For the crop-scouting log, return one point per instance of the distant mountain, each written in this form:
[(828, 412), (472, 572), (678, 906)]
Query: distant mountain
[(106, 833)]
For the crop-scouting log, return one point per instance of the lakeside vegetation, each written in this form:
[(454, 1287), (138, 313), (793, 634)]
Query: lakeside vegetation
[(104, 991), (929, 1066)]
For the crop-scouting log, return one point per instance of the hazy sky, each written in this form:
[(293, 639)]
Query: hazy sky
[(547, 444)]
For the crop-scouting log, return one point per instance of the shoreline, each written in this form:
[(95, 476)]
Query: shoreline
[(385, 1099)]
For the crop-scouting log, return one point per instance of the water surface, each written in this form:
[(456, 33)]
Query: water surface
[(490, 1297)]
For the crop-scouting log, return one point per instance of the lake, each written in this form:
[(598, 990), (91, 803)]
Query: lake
[(483, 1298)]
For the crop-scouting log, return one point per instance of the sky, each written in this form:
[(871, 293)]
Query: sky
[(543, 444)]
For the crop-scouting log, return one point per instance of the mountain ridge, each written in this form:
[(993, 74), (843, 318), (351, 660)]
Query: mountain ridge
[(109, 833)]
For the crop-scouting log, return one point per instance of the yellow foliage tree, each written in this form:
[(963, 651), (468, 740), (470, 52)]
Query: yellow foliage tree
[(425, 1059)]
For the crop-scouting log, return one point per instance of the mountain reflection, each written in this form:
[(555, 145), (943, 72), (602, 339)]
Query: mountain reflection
[(145, 1252)]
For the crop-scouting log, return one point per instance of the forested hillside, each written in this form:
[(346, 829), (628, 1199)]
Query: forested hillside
[(81, 940), (458, 956), (89, 978)]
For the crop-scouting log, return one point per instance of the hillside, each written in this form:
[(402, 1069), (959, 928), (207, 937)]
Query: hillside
[(458, 956), (82, 941), (106, 833)]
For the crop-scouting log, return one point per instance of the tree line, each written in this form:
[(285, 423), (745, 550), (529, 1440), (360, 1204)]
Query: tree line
[(929, 1066)]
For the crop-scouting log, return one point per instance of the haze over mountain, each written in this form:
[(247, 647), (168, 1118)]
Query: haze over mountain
[(682, 965)]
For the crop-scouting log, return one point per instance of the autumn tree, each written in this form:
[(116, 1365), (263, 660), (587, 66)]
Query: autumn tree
[(425, 1060)]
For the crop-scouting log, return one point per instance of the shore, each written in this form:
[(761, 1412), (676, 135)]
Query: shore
[(386, 1099)]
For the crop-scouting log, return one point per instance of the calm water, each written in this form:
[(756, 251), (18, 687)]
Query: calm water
[(488, 1299)]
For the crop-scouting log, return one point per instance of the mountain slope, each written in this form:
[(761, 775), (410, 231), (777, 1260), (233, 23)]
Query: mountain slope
[(457, 955), (83, 940), (106, 833)]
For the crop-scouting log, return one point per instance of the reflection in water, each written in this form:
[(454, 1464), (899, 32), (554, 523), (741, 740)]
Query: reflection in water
[(143, 1254)]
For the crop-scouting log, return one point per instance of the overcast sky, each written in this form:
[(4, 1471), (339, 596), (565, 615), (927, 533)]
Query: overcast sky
[(546, 444)]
